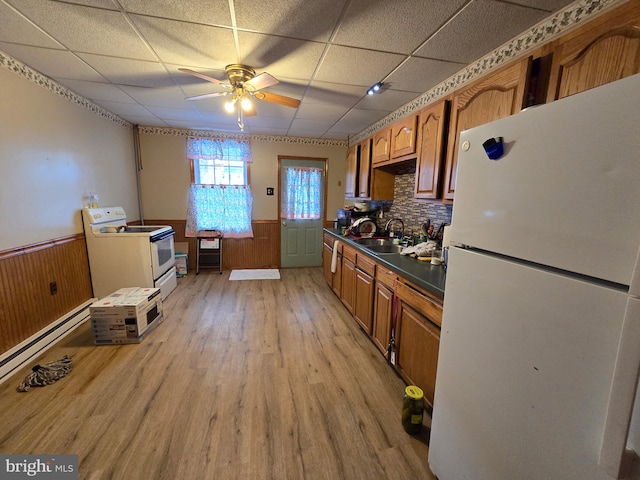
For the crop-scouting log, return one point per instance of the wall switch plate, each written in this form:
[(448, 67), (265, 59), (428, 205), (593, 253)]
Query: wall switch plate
[(269, 190)]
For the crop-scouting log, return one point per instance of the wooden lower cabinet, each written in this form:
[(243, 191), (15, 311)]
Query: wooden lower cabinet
[(334, 280), (417, 344), (382, 315), (348, 286), (363, 301)]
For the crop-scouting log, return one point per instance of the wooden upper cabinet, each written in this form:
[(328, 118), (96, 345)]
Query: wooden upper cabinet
[(432, 122), (351, 172), (602, 51), (364, 168), (403, 137), (494, 96), (381, 146)]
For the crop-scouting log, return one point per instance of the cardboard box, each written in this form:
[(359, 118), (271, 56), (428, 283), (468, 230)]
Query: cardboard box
[(125, 316), (182, 264)]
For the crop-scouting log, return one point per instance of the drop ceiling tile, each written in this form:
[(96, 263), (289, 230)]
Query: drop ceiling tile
[(398, 27), (310, 20), (188, 44), (548, 5), (171, 97), (385, 100), (87, 29), (17, 29), (315, 111), (480, 27), (319, 126), (334, 94), (52, 63), (355, 66), (266, 121), (96, 91), (357, 120), (123, 71), (124, 108), (108, 4), (174, 113), (211, 12), (421, 74), (281, 57), (214, 105), (145, 120), (268, 109)]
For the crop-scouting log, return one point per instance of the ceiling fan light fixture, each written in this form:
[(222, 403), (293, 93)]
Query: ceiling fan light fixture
[(246, 104), (230, 106)]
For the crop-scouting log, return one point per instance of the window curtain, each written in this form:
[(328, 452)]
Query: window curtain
[(302, 194), (217, 148), (226, 208)]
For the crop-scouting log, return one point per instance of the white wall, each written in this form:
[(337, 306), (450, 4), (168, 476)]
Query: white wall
[(166, 175), (51, 152)]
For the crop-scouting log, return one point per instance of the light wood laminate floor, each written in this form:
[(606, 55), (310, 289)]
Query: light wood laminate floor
[(267, 379)]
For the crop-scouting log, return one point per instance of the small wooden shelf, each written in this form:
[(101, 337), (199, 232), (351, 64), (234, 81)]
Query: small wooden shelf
[(209, 250)]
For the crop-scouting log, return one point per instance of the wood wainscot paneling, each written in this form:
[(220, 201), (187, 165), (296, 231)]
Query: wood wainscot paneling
[(28, 302), (261, 251)]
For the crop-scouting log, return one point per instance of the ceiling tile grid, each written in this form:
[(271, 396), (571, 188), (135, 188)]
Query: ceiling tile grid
[(123, 56)]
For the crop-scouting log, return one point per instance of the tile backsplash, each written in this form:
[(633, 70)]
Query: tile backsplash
[(412, 213)]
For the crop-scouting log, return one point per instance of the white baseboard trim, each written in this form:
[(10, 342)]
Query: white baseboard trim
[(37, 343)]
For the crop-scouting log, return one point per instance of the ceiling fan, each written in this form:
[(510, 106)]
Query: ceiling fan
[(243, 85)]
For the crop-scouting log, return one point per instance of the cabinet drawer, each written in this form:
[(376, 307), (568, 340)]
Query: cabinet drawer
[(386, 276), (349, 253), (421, 303), (366, 264)]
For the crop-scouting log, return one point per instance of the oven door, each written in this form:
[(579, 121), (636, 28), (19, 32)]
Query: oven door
[(162, 253)]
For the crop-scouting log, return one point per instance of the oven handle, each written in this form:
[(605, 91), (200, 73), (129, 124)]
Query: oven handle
[(161, 236)]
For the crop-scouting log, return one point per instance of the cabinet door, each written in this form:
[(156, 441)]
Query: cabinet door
[(403, 137), (431, 131), (363, 302), (417, 343), (604, 50), (337, 277), (494, 96), (382, 313), (347, 289), (364, 168), (351, 172), (381, 146)]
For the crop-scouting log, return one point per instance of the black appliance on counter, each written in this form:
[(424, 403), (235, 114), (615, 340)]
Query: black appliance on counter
[(347, 216)]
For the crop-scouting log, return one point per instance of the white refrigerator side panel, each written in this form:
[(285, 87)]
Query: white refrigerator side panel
[(567, 189), (524, 372)]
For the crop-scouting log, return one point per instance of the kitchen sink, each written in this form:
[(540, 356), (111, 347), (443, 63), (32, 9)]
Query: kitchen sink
[(374, 242), (386, 248)]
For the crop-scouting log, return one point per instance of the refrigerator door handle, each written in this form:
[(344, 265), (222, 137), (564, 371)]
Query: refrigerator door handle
[(623, 392)]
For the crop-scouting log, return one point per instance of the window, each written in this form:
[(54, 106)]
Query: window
[(219, 162), (220, 197)]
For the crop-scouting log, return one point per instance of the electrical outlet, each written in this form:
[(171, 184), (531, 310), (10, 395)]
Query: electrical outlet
[(53, 287)]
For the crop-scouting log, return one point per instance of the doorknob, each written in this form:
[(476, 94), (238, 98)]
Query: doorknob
[(284, 224)]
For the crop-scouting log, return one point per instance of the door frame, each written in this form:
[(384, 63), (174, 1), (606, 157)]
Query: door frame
[(324, 200)]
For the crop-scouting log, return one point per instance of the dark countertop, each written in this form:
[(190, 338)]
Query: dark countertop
[(430, 277)]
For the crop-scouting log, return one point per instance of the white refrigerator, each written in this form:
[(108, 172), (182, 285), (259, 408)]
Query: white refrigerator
[(540, 343)]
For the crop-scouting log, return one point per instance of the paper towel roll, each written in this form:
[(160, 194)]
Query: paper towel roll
[(446, 236)]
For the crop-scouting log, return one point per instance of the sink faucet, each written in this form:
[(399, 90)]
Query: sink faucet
[(386, 228)]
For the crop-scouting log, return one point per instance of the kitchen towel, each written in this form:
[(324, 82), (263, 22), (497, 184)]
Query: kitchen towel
[(334, 257)]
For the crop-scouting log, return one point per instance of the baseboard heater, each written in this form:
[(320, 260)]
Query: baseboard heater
[(17, 356)]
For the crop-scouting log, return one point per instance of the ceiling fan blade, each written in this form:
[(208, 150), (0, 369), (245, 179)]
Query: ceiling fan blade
[(258, 82), (208, 95), (201, 75), (279, 99)]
